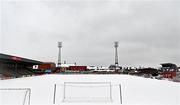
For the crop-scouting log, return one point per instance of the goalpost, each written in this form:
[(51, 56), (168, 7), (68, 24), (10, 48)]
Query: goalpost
[(87, 92), (84, 92), (15, 96)]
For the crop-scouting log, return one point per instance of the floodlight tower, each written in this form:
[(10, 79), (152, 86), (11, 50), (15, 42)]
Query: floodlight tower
[(116, 53), (59, 54)]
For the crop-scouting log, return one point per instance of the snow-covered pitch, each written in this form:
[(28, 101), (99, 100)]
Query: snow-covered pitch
[(133, 91)]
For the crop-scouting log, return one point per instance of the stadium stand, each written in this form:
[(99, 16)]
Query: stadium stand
[(14, 67)]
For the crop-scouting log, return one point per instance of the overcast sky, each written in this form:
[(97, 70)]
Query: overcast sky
[(148, 31)]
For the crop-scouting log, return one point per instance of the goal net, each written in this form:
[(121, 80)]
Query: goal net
[(14, 96), (86, 92)]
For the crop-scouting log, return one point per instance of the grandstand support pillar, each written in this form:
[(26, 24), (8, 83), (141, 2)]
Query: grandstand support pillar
[(15, 69)]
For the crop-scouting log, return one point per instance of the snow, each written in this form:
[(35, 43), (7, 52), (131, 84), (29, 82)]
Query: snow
[(135, 90)]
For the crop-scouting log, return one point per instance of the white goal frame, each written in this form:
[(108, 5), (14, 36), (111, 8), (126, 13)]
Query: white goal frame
[(91, 99), (27, 94)]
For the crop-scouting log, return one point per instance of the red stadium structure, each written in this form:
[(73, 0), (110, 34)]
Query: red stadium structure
[(78, 68), (169, 70)]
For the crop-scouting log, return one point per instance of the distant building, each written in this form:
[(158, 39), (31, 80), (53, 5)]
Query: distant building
[(78, 68), (178, 68), (47, 67), (67, 65), (92, 68), (115, 67), (169, 70), (169, 67)]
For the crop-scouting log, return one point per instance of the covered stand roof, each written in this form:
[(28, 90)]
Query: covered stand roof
[(168, 65), (16, 59)]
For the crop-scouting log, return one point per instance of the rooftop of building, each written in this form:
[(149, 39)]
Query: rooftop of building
[(17, 59)]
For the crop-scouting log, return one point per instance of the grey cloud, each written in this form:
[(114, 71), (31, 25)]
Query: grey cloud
[(148, 32)]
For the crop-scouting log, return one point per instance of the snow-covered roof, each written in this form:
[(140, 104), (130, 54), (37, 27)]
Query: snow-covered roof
[(66, 65)]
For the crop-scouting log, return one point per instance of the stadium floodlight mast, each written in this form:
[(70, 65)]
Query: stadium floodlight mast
[(116, 44), (59, 54)]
